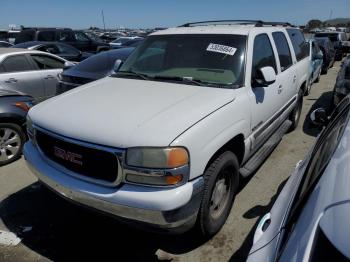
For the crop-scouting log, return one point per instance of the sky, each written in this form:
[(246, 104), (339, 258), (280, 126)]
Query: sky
[(81, 14)]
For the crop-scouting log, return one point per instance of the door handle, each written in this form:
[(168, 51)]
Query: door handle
[(49, 77), (294, 79), (280, 89)]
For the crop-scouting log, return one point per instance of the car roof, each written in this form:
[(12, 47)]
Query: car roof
[(5, 50), (219, 29)]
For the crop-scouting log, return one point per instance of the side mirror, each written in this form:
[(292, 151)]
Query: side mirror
[(118, 63), (265, 76), (68, 64), (319, 117)]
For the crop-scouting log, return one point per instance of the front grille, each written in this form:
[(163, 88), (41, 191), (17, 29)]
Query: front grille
[(85, 161)]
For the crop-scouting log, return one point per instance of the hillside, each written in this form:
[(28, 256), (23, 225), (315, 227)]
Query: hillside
[(336, 21)]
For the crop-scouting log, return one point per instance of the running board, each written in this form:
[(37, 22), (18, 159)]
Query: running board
[(258, 158)]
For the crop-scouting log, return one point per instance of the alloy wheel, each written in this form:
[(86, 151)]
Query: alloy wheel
[(10, 144)]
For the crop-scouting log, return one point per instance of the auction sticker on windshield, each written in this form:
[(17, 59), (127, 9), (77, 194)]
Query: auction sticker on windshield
[(224, 49)]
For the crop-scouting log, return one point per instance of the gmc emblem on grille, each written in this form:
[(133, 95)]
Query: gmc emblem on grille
[(68, 156)]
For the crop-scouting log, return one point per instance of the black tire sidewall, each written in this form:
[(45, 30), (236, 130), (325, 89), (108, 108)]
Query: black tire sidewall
[(208, 225), (22, 136), (298, 106)]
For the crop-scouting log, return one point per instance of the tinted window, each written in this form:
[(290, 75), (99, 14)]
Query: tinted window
[(49, 49), (25, 36), (332, 36), (65, 36), (300, 46), (18, 63), (80, 36), (4, 44), (283, 50), (46, 62), (46, 36), (67, 50), (262, 55)]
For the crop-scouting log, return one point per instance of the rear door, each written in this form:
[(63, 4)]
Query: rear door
[(17, 73), (48, 67)]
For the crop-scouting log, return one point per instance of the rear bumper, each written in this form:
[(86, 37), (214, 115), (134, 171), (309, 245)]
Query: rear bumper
[(160, 208)]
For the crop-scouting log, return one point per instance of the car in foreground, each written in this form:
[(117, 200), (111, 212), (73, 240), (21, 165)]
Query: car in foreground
[(5, 44), (342, 85), (315, 64), (126, 41), (340, 42), (63, 50), (78, 39), (93, 68), (310, 218), (328, 52), (13, 111), (165, 140), (31, 72)]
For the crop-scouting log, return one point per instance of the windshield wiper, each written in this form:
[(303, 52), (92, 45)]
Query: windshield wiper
[(181, 79), (133, 73)]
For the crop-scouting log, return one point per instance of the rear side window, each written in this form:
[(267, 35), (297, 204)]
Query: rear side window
[(46, 36), (65, 36), (17, 63), (282, 50), (25, 36), (47, 62), (262, 54), (299, 44)]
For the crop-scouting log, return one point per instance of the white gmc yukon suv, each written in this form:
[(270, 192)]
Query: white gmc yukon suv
[(165, 140)]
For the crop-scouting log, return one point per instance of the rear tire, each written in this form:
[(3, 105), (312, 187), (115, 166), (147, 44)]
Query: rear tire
[(308, 88), (295, 114), (12, 139), (220, 186), (318, 77)]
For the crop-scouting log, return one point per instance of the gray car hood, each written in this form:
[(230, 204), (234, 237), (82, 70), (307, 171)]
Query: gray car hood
[(121, 112)]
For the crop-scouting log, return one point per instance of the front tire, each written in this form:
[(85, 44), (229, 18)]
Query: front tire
[(12, 139), (294, 117), (220, 186)]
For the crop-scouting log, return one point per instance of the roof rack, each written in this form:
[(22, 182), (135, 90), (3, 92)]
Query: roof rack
[(256, 23)]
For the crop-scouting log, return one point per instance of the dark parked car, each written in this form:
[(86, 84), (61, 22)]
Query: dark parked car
[(328, 52), (342, 85), (5, 44), (78, 39), (339, 40), (91, 69), (13, 111), (63, 50)]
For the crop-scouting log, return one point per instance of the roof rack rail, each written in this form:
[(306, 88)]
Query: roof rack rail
[(256, 23)]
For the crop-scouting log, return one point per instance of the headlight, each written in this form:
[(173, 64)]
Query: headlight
[(157, 166), (149, 157)]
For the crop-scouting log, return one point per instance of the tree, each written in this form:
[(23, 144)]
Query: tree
[(314, 23)]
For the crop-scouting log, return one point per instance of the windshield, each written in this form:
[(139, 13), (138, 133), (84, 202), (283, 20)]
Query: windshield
[(121, 40), (211, 59)]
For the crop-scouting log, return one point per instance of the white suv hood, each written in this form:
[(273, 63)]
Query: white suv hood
[(122, 112)]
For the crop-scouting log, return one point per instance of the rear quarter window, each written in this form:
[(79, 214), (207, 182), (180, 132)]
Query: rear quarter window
[(300, 46)]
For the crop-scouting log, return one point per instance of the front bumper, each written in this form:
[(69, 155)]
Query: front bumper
[(163, 208)]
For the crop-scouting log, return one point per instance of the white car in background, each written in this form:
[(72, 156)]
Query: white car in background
[(121, 40), (34, 73)]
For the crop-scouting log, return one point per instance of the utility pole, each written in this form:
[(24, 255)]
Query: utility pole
[(103, 20), (330, 14)]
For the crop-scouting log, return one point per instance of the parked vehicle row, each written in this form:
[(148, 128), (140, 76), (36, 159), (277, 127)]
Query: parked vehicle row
[(315, 64), (191, 111), (63, 50), (342, 85), (328, 52), (78, 39), (340, 41)]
